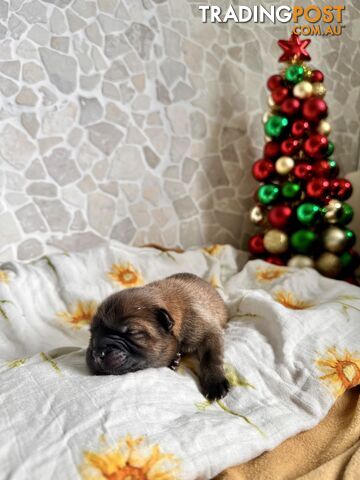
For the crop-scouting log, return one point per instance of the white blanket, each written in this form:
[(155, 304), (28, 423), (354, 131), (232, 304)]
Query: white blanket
[(292, 346)]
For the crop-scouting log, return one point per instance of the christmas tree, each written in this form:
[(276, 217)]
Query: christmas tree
[(301, 203)]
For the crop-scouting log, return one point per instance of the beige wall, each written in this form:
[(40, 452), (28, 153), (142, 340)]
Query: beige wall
[(133, 120)]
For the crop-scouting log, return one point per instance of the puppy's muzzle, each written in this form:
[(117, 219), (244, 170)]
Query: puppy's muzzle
[(108, 358)]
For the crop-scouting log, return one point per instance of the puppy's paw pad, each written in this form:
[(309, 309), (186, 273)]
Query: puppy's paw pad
[(216, 390)]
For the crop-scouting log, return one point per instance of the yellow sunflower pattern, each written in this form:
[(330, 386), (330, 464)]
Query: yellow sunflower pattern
[(269, 274), (213, 249), (288, 300), (4, 277), (126, 275), (130, 459), (341, 370), (80, 314)]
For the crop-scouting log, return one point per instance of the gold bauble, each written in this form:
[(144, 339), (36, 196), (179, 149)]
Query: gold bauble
[(319, 89), (266, 117), (284, 165), (307, 72), (276, 241), (333, 211), (324, 128), (300, 261), (303, 89), (271, 102), (257, 215), (328, 264), (334, 239)]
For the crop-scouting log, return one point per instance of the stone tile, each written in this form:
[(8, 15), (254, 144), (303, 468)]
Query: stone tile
[(57, 20), (60, 43), (117, 72), (26, 97), (214, 170), (189, 168), (76, 242), (140, 37), (8, 87), (61, 167), (79, 222), (29, 249), (10, 232), (115, 45), (39, 35), (140, 214), (100, 212), (123, 231), (185, 207), (42, 189), (84, 8), (151, 158), (33, 12), (10, 69), (60, 68), (56, 215), (30, 123), (93, 33), (190, 233), (75, 22), (87, 184), (59, 121), (89, 82), (30, 219), (15, 147), (127, 164), (116, 115), (35, 171), (105, 136), (91, 110), (32, 73)]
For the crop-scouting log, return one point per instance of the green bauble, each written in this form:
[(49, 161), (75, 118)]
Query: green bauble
[(333, 166), (350, 237), (291, 190), (274, 127), (303, 241), (330, 150), (346, 259), (346, 215), (294, 73), (308, 213), (268, 193)]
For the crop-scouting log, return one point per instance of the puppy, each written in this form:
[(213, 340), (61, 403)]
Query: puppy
[(152, 326)]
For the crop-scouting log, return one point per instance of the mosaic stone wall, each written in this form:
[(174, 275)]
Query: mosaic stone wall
[(132, 120)]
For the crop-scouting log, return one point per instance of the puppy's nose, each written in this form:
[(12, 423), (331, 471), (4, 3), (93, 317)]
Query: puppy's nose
[(99, 354)]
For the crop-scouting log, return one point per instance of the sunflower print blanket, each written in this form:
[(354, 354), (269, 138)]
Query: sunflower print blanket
[(292, 346)]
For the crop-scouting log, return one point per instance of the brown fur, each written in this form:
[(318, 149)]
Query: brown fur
[(181, 313)]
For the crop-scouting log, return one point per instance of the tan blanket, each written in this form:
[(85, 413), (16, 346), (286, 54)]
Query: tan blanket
[(329, 451)]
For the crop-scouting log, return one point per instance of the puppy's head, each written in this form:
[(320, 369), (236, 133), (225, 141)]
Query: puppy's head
[(131, 330)]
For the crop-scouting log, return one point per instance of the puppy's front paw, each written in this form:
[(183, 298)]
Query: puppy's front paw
[(215, 388)]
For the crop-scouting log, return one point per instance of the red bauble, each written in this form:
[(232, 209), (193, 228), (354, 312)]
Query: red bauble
[(272, 150), (317, 76), (262, 169), (318, 188), (274, 81), (314, 109), (316, 145), (256, 244), (279, 94), (290, 106), (300, 128), (341, 188), (303, 171), (279, 216), (322, 168), (289, 146), (275, 260)]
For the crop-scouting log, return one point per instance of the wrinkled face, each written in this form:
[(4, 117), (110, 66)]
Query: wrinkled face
[(128, 333)]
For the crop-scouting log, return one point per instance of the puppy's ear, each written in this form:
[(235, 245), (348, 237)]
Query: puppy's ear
[(165, 320)]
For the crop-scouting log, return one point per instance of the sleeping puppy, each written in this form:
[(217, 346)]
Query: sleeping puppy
[(152, 326)]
